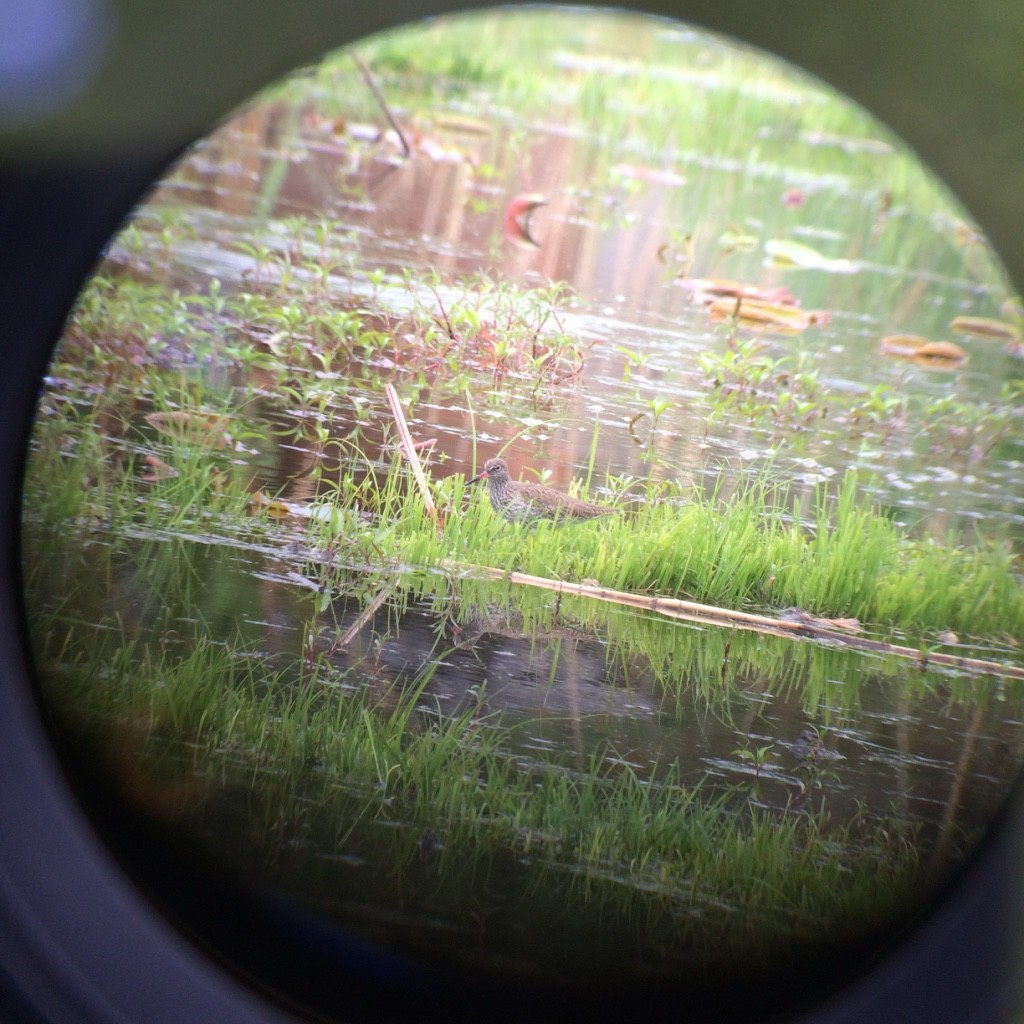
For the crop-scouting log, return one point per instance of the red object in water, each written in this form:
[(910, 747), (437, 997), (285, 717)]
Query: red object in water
[(517, 218)]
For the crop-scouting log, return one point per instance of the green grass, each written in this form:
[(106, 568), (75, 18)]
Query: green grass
[(762, 549), (842, 559), (150, 664), (387, 768), (185, 710)]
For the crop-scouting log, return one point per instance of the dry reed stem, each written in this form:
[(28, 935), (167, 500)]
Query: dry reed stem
[(691, 611), (408, 448), (364, 616), (379, 97)]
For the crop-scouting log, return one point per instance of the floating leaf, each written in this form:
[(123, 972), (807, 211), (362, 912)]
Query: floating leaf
[(766, 316), (706, 290), (984, 327), (277, 509), (198, 427), (902, 344), (941, 353), (934, 355), (783, 252), (274, 507), (517, 218)]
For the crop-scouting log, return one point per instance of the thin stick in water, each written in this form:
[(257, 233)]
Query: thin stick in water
[(379, 97), (364, 617), (408, 448)]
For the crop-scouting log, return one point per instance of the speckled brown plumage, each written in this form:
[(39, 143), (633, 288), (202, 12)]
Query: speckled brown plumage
[(528, 503)]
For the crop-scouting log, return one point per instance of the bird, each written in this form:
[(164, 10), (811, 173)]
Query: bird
[(809, 750), (807, 746), (528, 503)]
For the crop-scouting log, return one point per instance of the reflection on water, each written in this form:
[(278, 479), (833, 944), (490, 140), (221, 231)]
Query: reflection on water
[(291, 217), (763, 723), (573, 696), (614, 232)]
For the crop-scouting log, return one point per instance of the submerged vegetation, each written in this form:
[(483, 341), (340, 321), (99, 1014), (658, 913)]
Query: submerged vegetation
[(245, 609)]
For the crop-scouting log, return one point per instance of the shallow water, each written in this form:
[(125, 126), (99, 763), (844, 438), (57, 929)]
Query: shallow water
[(418, 217), (939, 749)]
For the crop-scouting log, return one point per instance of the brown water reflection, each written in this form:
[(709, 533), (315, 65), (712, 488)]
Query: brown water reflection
[(614, 233), (883, 752)]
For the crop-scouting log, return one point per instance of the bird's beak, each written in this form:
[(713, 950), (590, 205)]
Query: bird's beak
[(482, 475)]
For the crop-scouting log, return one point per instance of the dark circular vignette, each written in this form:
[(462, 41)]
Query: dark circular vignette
[(78, 942)]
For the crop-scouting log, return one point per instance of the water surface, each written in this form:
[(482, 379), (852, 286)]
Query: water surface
[(308, 193)]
